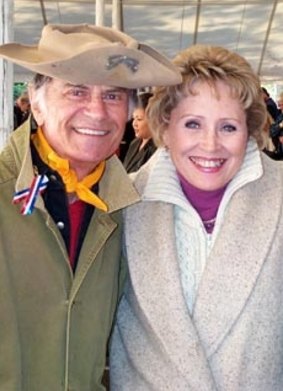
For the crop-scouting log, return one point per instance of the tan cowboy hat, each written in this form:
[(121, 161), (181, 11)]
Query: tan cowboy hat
[(88, 54)]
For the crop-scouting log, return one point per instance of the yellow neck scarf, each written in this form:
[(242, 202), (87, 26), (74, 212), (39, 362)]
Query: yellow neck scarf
[(69, 177)]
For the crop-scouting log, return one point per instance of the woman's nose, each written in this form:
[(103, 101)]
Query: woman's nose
[(210, 140)]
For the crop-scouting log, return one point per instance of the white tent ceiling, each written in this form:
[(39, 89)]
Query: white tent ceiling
[(253, 28)]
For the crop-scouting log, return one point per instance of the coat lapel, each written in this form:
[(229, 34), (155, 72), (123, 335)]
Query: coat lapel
[(236, 260), (117, 190), (158, 292)]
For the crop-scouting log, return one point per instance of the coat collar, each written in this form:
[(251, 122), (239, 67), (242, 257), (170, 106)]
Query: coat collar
[(238, 256), (163, 184), (157, 291), (233, 267)]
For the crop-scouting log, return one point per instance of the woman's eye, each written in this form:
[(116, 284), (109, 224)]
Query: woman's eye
[(192, 124), (229, 128)]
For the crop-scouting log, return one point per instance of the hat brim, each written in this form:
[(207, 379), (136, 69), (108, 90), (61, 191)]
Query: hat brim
[(92, 65)]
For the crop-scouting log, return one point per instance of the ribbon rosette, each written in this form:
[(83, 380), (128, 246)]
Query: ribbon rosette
[(29, 195)]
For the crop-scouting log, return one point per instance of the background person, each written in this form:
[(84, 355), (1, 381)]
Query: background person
[(271, 105), (128, 137), (274, 131), (142, 147), (268, 145), (276, 134), (60, 239), (21, 109), (202, 309), (280, 102)]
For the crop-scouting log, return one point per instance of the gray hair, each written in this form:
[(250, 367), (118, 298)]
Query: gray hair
[(39, 83)]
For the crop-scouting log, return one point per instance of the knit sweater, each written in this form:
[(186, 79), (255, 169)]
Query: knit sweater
[(232, 341), (193, 242)]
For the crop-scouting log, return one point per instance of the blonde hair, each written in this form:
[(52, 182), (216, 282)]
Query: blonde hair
[(209, 64), (280, 97)]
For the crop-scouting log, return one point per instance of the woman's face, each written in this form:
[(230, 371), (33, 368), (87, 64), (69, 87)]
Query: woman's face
[(140, 124), (207, 136), (280, 103)]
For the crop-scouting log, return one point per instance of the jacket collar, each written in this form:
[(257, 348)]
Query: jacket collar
[(241, 249), (231, 272), (163, 183)]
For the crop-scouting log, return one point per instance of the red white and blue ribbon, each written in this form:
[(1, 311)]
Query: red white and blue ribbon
[(29, 196)]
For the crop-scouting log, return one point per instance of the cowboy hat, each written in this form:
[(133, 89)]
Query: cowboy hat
[(88, 54)]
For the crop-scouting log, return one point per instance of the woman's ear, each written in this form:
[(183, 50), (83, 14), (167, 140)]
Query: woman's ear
[(165, 139)]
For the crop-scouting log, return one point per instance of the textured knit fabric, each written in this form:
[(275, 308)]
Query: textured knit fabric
[(192, 241), (232, 339), (205, 202)]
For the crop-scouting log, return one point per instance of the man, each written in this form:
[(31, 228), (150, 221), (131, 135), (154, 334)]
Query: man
[(60, 238), (21, 109)]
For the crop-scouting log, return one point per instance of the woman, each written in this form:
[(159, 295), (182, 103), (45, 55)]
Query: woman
[(280, 102), (142, 147), (202, 309)]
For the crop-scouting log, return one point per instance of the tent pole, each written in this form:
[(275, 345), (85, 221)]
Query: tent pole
[(6, 72), (99, 12), (267, 36)]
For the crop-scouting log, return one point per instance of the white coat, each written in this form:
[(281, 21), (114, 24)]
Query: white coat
[(233, 339)]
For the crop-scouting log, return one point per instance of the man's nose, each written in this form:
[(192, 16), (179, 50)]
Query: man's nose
[(96, 105)]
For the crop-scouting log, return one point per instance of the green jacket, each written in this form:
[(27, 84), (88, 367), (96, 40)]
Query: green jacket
[(54, 326)]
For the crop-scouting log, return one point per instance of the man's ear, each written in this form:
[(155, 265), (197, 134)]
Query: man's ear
[(35, 106)]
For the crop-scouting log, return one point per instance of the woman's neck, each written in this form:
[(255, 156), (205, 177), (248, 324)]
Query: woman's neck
[(143, 143), (206, 203)]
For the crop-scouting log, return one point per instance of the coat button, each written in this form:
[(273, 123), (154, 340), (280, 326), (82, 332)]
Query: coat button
[(60, 225)]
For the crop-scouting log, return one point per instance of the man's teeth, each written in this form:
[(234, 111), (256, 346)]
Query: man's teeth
[(91, 132), (208, 163)]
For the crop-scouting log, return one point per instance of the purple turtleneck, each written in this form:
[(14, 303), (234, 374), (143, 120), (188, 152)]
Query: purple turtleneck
[(206, 203)]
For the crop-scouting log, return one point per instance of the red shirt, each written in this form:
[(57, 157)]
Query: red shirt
[(76, 213)]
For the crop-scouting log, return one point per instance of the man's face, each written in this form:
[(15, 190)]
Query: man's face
[(24, 106), (82, 123)]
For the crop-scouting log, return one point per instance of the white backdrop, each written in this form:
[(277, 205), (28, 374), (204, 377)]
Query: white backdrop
[(251, 27)]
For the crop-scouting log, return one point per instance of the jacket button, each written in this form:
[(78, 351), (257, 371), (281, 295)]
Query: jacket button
[(60, 225)]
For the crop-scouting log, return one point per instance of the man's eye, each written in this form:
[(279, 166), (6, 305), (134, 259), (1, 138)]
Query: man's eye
[(113, 96), (192, 124), (78, 92), (229, 128)]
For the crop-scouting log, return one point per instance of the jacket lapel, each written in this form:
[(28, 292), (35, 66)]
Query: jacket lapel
[(236, 260), (116, 189), (158, 292)]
